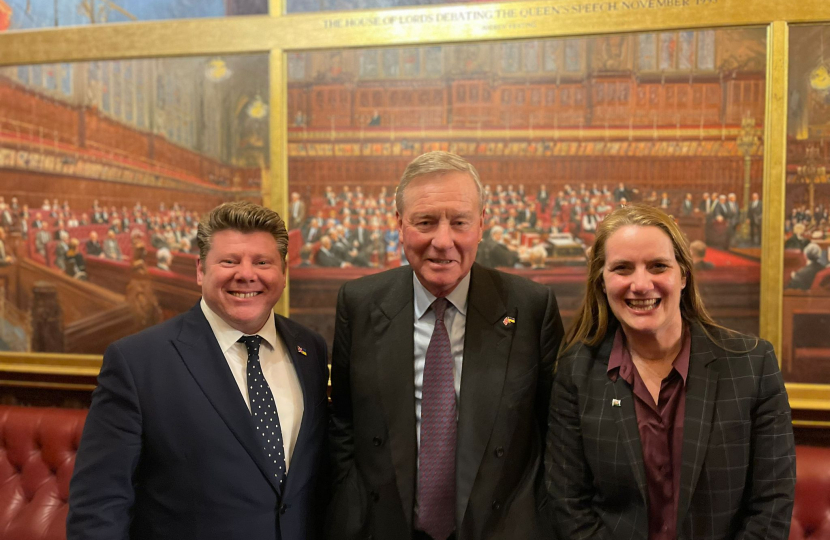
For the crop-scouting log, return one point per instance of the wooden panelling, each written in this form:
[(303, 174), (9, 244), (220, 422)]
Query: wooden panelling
[(109, 136), (24, 112), (609, 101), (677, 175)]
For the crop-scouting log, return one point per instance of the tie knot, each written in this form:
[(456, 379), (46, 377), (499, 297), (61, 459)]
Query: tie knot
[(439, 306), (251, 343)]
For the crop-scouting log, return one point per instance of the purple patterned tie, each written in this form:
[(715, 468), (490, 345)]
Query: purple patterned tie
[(436, 465)]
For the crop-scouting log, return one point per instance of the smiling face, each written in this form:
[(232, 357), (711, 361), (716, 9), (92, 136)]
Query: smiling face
[(242, 278), (643, 282), (440, 225)]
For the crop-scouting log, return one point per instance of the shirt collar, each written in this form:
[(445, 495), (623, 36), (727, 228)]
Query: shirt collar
[(227, 335), (424, 298), (620, 358)]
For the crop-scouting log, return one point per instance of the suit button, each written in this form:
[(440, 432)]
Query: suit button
[(377, 441), (499, 452), (496, 505), (283, 508), (375, 496)]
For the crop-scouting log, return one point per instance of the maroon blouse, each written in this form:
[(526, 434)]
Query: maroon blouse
[(661, 432)]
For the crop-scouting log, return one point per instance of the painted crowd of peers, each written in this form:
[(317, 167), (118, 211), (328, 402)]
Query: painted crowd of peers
[(169, 230), (656, 423), (354, 228), (808, 231)]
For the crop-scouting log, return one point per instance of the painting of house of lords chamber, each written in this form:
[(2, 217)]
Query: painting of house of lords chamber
[(561, 131), (806, 302), (105, 169)]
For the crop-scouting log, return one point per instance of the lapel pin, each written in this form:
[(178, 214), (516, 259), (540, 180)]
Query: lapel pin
[(616, 403), (301, 351), (507, 321)]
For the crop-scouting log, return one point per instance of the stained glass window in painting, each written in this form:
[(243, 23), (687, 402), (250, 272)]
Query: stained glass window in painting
[(531, 56), (106, 90), (129, 89), (37, 75), (668, 46), (432, 61), (50, 79), (686, 51), (296, 67), (510, 57), (116, 89), (573, 55), (140, 103), (23, 74), (552, 54), (706, 49), (66, 79), (368, 63), (646, 52), (391, 62), (411, 62)]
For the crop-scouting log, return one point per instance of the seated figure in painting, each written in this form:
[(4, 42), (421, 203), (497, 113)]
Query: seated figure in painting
[(75, 265), (803, 278), (111, 248)]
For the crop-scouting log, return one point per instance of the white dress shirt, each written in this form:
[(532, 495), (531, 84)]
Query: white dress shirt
[(455, 319), (277, 368)]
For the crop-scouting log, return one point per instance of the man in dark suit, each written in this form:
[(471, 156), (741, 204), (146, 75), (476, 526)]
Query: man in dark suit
[(419, 451), (687, 207), (296, 211), (211, 425), (312, 232), (706, 205)]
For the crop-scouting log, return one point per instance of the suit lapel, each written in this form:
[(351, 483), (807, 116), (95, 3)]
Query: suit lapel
[(303, 365), (391, 327), (623, 411), (626, 417), (200, 352), (486, 351), (701, 385)]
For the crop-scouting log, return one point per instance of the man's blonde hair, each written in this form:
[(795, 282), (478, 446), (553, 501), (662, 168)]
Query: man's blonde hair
[(245, 217)]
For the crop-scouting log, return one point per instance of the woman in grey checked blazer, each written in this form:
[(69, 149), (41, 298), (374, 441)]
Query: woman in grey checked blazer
[(662, 423)]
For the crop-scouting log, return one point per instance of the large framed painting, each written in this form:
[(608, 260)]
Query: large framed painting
[(805, 347), (561, 132), (105, 169)]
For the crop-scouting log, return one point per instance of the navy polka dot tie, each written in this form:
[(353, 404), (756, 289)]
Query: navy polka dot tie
[(264, 411)]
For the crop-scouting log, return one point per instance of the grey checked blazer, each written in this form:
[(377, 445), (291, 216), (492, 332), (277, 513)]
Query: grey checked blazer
[(738, 459)]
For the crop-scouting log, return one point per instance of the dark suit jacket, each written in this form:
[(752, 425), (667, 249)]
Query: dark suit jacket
[(505, 388), (169, 450), (737, 477)]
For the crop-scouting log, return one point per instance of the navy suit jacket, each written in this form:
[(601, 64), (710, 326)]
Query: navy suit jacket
[(169, 451)]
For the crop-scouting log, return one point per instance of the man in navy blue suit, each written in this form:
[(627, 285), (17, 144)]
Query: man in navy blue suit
[(212, 424)]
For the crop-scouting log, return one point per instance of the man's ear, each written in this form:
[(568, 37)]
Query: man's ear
[(200, 272)]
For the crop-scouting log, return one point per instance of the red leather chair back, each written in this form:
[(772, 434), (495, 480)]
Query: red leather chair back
[(811, 514), (37, 455)]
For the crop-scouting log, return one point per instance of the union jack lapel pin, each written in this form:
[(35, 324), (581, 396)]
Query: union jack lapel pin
[(301, 351), (616, 403), (507, 321)]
